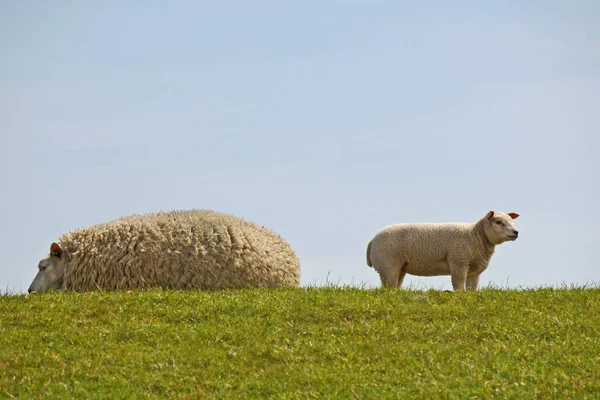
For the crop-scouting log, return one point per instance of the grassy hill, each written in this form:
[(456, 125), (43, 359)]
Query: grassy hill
[(302, 343)]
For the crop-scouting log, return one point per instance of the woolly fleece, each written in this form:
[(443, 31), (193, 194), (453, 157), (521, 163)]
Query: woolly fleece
[(191, 249)]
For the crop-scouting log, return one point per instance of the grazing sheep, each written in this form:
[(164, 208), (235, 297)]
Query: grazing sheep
[(178, 250), (462, 250)]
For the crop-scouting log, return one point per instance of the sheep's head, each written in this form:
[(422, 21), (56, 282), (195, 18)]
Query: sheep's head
[(499, 227), (51, 270)]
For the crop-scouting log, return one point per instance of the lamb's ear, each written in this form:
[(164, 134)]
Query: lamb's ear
[(56, 250), (489, 215), (513, 215)]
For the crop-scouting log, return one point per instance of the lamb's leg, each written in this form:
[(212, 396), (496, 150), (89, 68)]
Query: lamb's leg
[(473, 282), (459, 276), (391, 276), (401, 276)]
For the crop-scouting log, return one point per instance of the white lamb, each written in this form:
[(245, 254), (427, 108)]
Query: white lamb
[(462, 250)]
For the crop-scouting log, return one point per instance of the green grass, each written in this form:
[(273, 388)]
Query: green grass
[(302, 343)]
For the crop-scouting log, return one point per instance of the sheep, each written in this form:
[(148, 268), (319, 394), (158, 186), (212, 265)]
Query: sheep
[(461, 250), (193, 249)]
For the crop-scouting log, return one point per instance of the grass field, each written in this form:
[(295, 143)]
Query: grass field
[(326, 342)]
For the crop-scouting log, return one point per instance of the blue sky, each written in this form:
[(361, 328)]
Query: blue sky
[(322, 120)]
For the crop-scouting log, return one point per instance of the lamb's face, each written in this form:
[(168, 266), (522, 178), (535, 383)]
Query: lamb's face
[(499, 227), (51, 271)]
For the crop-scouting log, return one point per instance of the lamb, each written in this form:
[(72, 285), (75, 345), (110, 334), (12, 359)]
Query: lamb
[(194, 249), (461, 250)]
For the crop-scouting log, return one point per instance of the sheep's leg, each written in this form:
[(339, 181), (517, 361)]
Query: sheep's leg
[(473, 282), (459, 276)]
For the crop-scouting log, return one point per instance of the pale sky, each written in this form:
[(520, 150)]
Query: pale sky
[(322, 120)]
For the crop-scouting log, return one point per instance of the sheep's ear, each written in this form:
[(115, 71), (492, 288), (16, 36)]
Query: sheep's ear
[(56, 250), (513, 215), (490, 215)]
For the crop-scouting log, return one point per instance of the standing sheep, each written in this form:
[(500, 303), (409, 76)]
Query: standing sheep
[(462, 250), (178, 250)]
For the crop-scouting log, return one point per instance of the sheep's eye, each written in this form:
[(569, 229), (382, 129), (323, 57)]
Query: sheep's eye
[(499, 223), (55, 254)]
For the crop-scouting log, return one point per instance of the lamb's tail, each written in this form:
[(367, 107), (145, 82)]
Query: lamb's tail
[(369, 263)]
